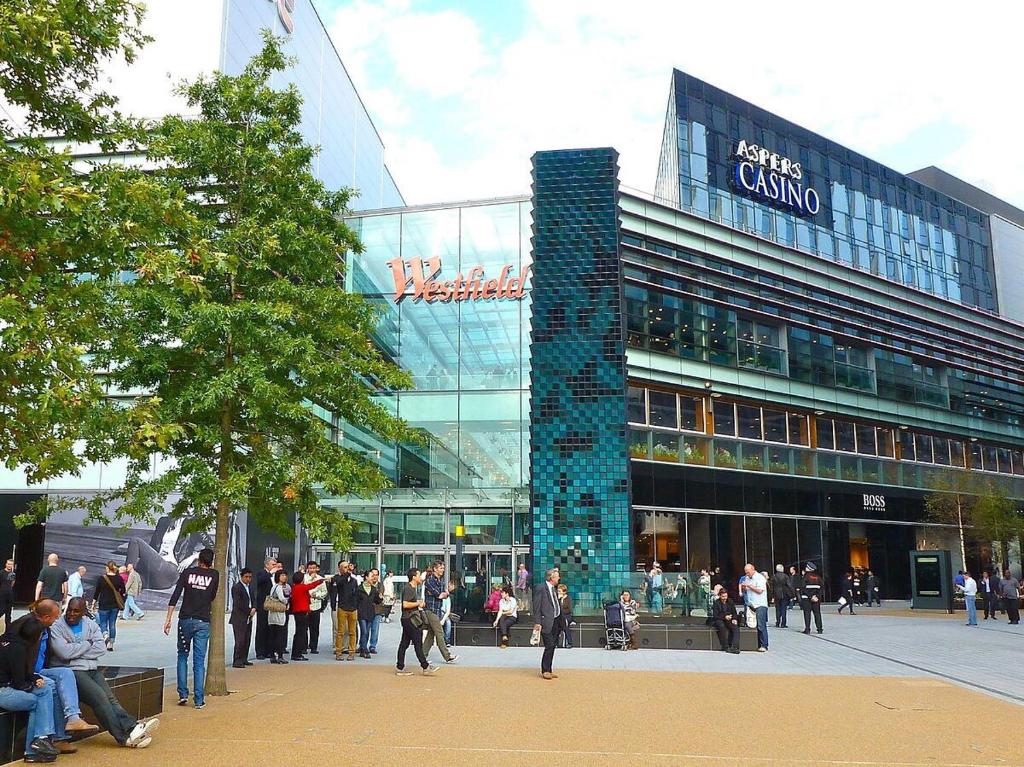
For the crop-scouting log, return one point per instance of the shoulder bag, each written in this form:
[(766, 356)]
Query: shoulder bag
[(274, 605), (117, 594), (751, 617), (418, 619)]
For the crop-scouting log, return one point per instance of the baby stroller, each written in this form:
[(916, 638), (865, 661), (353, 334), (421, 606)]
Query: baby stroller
[(615, 636)]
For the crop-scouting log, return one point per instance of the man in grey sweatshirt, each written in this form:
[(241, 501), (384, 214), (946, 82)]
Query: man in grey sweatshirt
[(77, 642)]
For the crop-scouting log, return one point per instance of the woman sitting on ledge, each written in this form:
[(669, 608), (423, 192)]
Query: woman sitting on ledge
[(508, 612), (630, 622)]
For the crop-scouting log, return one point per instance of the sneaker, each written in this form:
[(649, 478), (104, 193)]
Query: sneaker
[(452, 659), (40, 758), (373, 651), (200, 706), (762, 649), (734, 650), (429, 671), (144, 743), (182, 701), (402, 672)]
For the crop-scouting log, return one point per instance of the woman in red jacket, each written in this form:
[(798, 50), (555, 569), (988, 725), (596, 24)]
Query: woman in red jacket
[(300, 610)]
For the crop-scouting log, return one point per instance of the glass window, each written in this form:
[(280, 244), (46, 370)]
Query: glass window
[(956, 453), (798, 429), (691, 413), (823, 431), (866, 440), (885, 444), (725, 418), (414, 527), (433, 462), (662, 409), (907, 452), (845, 437), (923, 445), (490, 439), (483, 529), (1018, 462), (1004, 460), (749, 420), (991, 462), (940, 448), (774, 425), (636, 409), (977, 461)]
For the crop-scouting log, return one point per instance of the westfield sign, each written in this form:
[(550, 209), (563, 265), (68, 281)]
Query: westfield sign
[(417, 278)]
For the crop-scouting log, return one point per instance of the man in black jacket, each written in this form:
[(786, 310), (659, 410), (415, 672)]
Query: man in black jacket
[(345, 598), (549, 621), (989, 588), (811, 593), (723, 618), (782, 592), (264, 582), (243, 608)]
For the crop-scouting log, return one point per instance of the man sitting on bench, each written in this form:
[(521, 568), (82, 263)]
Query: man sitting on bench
[(77, 642)]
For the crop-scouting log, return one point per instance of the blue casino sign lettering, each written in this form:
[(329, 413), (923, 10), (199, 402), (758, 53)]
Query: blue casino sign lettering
[(774, 179)]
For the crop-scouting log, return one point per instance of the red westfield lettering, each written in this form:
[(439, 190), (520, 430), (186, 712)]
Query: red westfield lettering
[(421, 274)]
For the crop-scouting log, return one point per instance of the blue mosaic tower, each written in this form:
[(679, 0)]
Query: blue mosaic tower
[(579, 462)]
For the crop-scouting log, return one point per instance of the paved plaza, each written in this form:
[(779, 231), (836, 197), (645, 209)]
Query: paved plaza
[(875, 689)]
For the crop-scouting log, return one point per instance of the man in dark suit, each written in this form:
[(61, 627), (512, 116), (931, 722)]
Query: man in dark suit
[(723, 618), (264, 582), (989, 588), (243, 609), (548, 619)]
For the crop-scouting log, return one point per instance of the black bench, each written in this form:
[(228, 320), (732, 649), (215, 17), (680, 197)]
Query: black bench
[(139, 690), (657, 636)]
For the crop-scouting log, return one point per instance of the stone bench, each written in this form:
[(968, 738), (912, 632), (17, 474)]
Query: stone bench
[(139, 690), (653, 636)]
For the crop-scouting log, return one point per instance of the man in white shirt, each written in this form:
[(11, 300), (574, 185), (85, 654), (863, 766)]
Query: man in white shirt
[(76, 588), (754, 590), (970, 592)]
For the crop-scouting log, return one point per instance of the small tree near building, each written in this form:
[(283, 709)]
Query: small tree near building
[(243, 325)]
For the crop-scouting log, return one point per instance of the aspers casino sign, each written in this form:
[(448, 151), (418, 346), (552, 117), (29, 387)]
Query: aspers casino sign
[(419, 279), (772, 178)]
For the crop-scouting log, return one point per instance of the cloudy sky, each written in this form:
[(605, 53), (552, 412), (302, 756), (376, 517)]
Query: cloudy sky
[(464, 92)]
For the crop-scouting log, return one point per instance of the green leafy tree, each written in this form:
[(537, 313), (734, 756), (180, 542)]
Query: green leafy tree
[(977, 505), (63, 231), (242, 331)]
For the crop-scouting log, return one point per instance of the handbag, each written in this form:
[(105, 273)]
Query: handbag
[(842, 601), (273, 605), (751, 618)]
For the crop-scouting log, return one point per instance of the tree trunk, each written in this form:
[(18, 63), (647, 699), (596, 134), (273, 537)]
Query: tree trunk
[(960, 525), (216, 680)]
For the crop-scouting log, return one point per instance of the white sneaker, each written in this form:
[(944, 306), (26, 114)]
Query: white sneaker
[(137, 734), (142, 743), (452, 659), (429, 671)]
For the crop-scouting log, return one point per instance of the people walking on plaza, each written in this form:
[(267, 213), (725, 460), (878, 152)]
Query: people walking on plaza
[(369, 599), (300, 609), (319, 598), (970, 592), (243, 612), (388, 596), (109, 598), (52, 582), (754, 590), (23, 690), (812, 593), (77, 643), (782, 591), (856, 587), (565, 603), (989, 587), (277, 620), (76, 586), (630, 620), (549, 620), (846, 599), (413, 623), (508, 614), (264, 582), (794, 587), (196, 588), (1009, 591), (655, 587), (7, 580), (132, 590), (434, 593), (723, 619), (523, 586), (872, 587), (446, 619), (345, 601)]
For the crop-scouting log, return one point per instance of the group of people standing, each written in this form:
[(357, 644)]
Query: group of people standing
[(997, 592)]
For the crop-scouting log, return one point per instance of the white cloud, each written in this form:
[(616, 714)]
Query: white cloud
[(595, 72)]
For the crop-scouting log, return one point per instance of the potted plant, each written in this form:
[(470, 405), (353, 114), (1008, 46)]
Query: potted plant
[(638, 450), (778, 467), (850, 473), (724, 458), (665, 453), (827, 471), (696, 455), (753, 462)]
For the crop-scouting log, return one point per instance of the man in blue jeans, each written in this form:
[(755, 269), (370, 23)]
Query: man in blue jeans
[(197, 587), (754, 590)]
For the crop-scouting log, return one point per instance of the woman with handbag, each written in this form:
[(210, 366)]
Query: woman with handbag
[(109, 596), (300, 613), (276, 605)]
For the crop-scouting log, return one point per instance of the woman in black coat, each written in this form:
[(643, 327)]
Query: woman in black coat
[(369, 596)]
